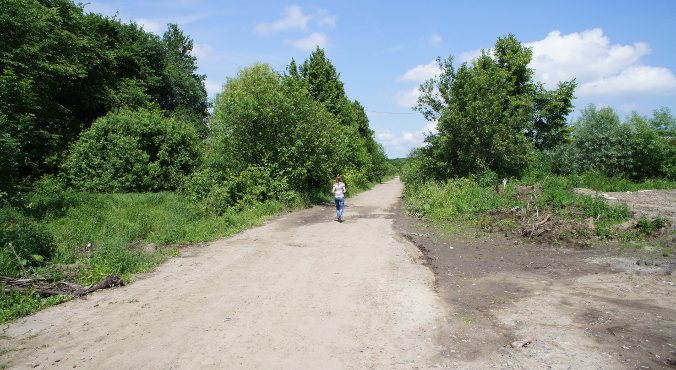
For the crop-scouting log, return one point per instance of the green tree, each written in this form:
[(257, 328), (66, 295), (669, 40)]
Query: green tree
[(602, 143), (61, 69), (637, 148), (490, 113), (552, 107), (366, 160), (264, 120), (133, 151), (183, 87), (323, 81)]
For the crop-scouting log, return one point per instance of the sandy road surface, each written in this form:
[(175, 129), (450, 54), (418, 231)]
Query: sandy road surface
[(302, 291)]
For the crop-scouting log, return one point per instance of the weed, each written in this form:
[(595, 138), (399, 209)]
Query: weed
[(14, 304), (647, 227)]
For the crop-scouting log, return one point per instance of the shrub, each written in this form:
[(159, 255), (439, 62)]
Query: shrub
[(647, 227), (49, 196), (14, 304), (23, 243), (133, 151), (637, 148), (200, 183)]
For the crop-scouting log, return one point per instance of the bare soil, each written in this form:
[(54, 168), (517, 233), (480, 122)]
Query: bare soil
[(602, 307), (304, 291)]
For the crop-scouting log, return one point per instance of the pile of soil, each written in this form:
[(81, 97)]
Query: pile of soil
[(575, 231)]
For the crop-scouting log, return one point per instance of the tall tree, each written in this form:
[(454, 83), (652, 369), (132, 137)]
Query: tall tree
[(491, 113), (184, 88), (323, 81), (61, 69)]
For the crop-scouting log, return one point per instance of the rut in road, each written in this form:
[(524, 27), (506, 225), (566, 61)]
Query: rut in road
[(302, 291)]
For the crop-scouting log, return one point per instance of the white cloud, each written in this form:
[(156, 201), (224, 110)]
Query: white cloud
[(430, 128), (633, 80), (293, 19), (469, 56), (323, 18), (600, 67), (158, 25), (421, 72), (407, 139), (310, 42), (384, 136), (155, 26), (407, 98), (435, 40), (586, 55), (202, 51)]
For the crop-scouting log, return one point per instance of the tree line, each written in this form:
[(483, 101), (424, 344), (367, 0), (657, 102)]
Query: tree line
[(90, 105), (494, 120), (109, 107)]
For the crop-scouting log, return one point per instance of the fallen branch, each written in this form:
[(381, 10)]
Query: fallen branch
[(536, 226), (42, 287), (108, 282)]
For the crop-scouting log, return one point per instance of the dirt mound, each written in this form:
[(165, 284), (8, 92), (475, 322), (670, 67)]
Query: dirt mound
[(547, 226)]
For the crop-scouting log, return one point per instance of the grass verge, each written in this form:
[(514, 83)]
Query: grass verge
[(87, 236), (523, 203)]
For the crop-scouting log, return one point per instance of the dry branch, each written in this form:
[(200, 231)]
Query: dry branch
[(45, 289), (536, 226)]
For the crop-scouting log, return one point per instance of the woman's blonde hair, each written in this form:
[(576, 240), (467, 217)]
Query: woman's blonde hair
[(339, 179)]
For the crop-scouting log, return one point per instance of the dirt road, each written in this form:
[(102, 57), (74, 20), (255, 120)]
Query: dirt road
[(302, 291)]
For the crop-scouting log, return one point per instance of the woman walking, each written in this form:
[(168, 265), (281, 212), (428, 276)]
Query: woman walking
[(338, 191)]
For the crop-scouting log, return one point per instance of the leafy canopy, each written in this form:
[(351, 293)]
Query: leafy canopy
[(490, 114)]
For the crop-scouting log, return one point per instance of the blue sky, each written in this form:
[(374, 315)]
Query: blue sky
[(623, 53)]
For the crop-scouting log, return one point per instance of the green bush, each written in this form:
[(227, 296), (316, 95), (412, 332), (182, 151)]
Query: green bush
[(200, 183), (638, 148), (9, 161), (49, 196), (220, 198), (128, 151), (23, 243), (647, 227)]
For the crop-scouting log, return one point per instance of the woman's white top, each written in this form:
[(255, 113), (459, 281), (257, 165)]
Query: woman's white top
[(339, 190)]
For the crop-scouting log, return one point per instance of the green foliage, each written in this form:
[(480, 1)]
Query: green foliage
[(638, 148), (323, 82), (468, 200), (61, 69), (262, 120), (456, 199), (23, 243), (646, 227), (9, 161), (49, 197), (132, 151), (200, 183), (491, 115), (182, 87), (601, 182), (121, 226), (14, 304)]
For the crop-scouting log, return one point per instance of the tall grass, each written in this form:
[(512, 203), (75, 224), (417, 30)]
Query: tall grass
[(468, 200), (118, 226)]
